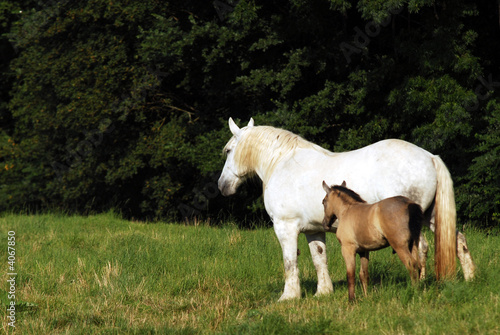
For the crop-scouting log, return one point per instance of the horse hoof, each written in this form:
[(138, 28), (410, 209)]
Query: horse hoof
[(285, 297), (322, 293)]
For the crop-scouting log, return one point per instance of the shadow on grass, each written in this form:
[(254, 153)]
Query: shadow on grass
[(386, 274), (310, 286), (380, 277)]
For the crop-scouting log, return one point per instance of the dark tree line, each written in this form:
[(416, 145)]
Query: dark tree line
[(124, 105)]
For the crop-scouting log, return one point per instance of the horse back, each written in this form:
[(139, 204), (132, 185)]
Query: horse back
[(375, 172)]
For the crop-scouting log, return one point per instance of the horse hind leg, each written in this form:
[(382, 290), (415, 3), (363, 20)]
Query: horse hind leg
[(463, 254), (423, 248), (468, 266), (317, 247)]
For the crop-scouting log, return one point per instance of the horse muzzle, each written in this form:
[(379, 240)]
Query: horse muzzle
[(225, 188)]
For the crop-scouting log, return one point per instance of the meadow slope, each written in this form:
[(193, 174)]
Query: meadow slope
[(104, 275)]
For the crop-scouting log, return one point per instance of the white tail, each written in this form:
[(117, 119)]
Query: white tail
[(445, 222)]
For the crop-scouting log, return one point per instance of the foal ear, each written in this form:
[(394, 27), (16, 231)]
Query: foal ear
[(234, 128), (326, 187), (250, 123), (343, 184)]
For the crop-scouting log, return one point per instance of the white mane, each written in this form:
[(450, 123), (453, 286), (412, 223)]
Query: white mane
[(264, 147)]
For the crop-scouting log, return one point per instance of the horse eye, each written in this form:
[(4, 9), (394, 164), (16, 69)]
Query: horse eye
[(228, 151)]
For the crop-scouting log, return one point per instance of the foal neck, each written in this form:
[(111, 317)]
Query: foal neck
[(348, 198), (347, 195)]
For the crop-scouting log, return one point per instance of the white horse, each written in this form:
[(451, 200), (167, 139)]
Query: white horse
[(292, 170)]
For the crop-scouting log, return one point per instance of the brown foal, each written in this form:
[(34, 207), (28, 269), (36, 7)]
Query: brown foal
[(394, 222)]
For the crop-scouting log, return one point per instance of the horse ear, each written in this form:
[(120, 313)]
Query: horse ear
[(250, 123), (234, 128), (343, 184), (326, 187)]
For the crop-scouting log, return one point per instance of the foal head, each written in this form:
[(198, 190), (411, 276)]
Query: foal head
[(336, 199)]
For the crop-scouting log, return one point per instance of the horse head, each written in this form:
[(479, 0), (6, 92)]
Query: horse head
[(233, 174)]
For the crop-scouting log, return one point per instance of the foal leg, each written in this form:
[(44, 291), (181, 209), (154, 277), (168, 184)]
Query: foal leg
[(415, 257), (288, 234), (409, 262), (318, 253), (363, 271), (349, 254)]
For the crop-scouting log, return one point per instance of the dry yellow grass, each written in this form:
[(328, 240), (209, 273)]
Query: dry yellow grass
[(100, 274)]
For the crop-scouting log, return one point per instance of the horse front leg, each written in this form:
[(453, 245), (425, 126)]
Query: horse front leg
[(287, 234), (317, 247)]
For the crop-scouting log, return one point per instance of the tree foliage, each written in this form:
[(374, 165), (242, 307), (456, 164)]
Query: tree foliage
[(122, 104)]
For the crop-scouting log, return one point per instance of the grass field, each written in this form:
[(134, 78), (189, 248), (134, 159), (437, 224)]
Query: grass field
[(104, 275)]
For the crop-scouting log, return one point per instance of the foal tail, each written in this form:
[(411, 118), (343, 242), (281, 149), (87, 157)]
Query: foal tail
[(416, 220), (415, 224), (445, 222)]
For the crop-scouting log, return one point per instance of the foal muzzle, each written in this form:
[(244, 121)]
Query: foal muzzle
[(328, 222)]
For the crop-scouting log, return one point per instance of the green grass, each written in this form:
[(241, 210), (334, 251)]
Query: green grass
[(104, 275)]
